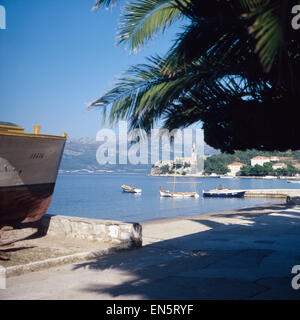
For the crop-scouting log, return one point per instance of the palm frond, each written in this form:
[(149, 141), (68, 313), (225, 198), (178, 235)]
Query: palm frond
[(104, 3), (267, 27), (145, 93), (142, 20)]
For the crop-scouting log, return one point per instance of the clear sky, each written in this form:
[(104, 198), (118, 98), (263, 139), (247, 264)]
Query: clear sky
[(58, 55)]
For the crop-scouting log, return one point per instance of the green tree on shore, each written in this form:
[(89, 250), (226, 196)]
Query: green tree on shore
[(164, 169), (267, 170), (215, 165), (257, 170)]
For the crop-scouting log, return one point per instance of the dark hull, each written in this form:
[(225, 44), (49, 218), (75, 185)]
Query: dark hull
[(28, 170), (224, 195), (24, 203)]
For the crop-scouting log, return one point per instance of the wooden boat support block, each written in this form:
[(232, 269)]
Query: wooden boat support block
[(93, 229), (9, 236)]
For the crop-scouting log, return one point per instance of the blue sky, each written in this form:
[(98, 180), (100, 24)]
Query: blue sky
[(58, 55)]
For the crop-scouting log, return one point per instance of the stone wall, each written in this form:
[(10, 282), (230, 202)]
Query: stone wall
[(93, 229), (272, 193)]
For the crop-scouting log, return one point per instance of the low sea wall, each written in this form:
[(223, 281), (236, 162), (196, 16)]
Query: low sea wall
[(93, 229), (272, 193)]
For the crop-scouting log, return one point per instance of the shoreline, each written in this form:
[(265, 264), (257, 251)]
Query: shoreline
[(246, 254), (104, 172), (264, 206), (222, 177)]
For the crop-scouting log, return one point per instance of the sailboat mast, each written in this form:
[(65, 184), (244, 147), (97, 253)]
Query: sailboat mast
[(174, 179)]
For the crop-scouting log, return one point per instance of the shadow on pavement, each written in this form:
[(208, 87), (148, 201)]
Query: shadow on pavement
[(248, 259)]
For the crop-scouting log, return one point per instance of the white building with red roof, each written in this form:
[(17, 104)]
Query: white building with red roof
[(274, 158), (260, 160), (279, 166), (234, 168)]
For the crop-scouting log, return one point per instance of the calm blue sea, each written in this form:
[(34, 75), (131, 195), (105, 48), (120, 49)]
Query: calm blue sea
[(100, 196)]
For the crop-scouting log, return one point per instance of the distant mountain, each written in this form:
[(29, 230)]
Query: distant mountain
[(208, 150), (80, 154)]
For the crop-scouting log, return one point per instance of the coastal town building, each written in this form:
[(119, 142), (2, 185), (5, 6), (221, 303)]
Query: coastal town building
[(261, 160), (274, 158), (184, 165), (234, 168), (189, 161), (279, 166)]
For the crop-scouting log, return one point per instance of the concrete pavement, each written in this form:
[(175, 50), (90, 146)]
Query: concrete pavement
[(244, 254)]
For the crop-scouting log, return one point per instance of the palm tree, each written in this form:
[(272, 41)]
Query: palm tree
[(142, 20), (234, 68)]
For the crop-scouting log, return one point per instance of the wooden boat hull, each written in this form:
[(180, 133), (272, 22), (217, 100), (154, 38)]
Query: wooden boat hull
[(233, 194), (24, 203), (132, 191), (28, 171), (165, 193), (128, 189)]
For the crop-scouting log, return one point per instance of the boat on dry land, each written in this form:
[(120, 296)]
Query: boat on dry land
[(129, 189), (29, 164)]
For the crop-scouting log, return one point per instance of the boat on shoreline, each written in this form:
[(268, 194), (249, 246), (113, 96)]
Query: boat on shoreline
[(29, 164), (129, 189), (224, 192)]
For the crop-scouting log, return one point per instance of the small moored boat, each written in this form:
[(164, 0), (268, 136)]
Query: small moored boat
[(167, 193), (129, 189), (224, 192), (176, 194)]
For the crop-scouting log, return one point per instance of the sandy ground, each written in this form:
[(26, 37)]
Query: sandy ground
[(46, 247), (243, 254)]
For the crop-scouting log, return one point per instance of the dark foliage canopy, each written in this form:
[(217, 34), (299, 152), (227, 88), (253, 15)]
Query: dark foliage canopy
[(235, 68)]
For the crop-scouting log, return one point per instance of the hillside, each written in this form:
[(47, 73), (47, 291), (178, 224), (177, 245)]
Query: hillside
[(81, 154)]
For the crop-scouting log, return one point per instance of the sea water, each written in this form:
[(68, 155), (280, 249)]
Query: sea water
[(100, 196)]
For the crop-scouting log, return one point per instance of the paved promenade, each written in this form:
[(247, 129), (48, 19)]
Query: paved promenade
[(244, 254)]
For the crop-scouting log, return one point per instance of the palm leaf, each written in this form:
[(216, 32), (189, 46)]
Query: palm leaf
[(142, 20), (104, 3), (270, 26)]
